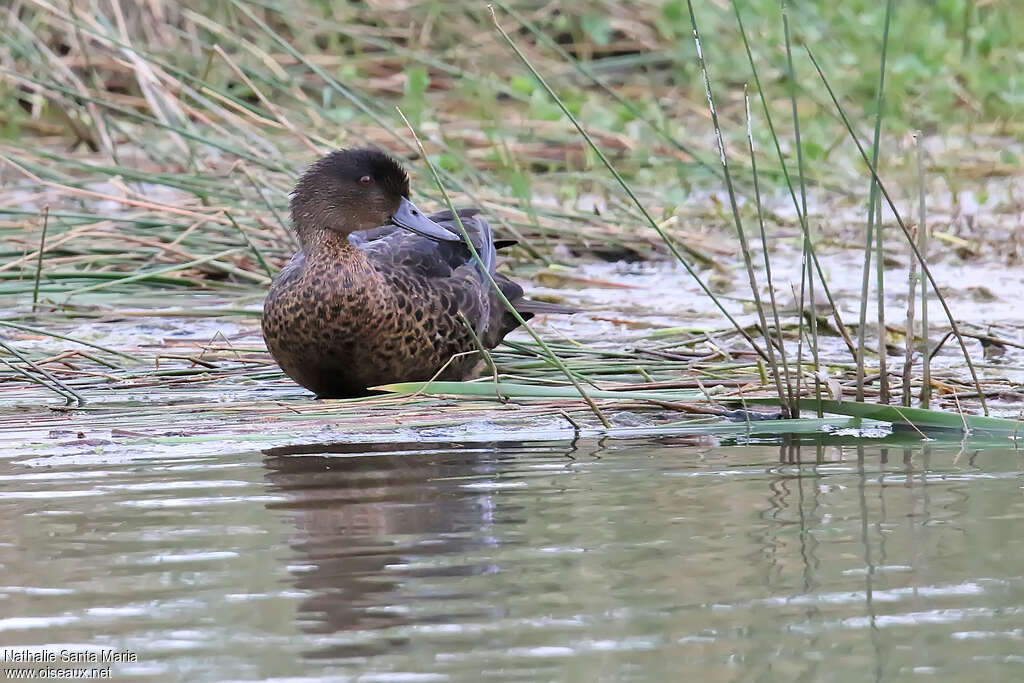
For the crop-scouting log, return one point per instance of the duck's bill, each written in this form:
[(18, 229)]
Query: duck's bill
[(412, 219)]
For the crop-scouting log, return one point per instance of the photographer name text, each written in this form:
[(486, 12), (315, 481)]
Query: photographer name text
[(32, 656)]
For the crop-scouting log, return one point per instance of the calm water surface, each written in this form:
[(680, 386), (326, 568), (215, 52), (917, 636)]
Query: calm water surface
[(615, 560)]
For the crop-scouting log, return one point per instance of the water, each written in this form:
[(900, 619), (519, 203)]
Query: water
[(615, 560)]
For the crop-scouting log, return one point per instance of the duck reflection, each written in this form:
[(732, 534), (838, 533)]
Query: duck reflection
[(373, 529)]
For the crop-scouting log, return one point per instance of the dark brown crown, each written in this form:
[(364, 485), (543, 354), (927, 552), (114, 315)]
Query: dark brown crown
[(349, 165)]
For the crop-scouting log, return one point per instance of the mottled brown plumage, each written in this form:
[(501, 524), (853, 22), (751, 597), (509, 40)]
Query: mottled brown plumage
[(366, 302)]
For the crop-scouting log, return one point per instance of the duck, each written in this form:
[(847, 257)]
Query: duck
[(380, 292)]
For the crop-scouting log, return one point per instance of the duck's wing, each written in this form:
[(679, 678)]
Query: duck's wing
[(478, 229), (392, 245), (392, 238), (480, 303), (452, 268)]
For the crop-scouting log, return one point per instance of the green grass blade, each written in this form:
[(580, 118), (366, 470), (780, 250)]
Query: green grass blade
[(906, 231), (551, 355), (918, 418), (513, 390), (869, 233), (669, 242)]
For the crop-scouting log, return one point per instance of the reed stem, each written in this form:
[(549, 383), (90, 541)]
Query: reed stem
[(906, 232), (551, 355), (922, 245), (39, 259)]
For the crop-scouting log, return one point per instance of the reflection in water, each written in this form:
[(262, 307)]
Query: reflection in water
[(366, 525), (827, 559), (669, 545)]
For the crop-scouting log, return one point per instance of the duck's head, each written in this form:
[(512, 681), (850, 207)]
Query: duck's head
[(357, 189)]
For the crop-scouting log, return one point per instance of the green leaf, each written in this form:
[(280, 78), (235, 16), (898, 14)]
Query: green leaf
[(597, 27), (532, 391), (524, 84), (912, 417), (414, 100), (898, 415)]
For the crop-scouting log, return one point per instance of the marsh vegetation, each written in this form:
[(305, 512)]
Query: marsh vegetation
[(148, 151), (750, 224)]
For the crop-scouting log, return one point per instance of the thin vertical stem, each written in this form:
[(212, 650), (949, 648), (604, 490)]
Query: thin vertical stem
[(872, 200), (908, 358), (807, 270), (906, 232), (883, 371), (789, 186), (733, 203), (865, 285), (39, 258), (922, 245), (790, 402)]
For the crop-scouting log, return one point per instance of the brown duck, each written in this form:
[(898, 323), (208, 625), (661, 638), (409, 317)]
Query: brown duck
[(379, 292)]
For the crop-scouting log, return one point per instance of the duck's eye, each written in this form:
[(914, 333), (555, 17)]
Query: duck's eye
[(366, 181)]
